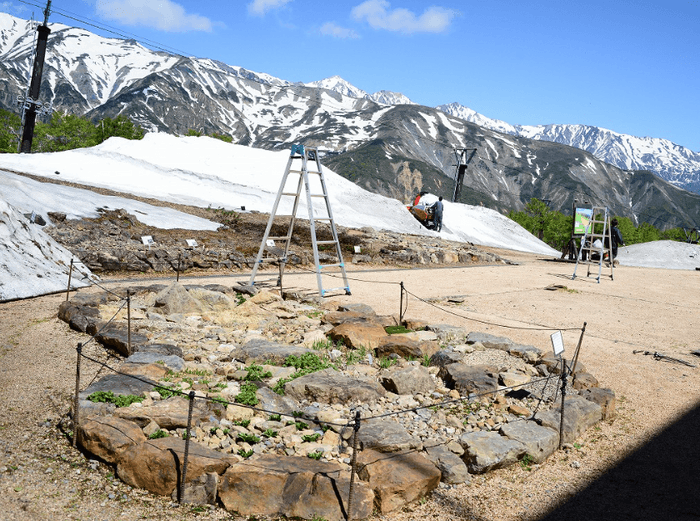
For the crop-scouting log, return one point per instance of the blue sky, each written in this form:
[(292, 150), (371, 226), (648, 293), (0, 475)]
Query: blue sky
[(632, 66)]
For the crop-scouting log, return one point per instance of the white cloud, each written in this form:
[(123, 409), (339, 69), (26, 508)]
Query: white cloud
[(336, 31), (378, 15), (163, 15), (260, 7)]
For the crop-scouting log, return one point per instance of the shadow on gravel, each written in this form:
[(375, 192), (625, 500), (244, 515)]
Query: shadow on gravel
[(659, 481)]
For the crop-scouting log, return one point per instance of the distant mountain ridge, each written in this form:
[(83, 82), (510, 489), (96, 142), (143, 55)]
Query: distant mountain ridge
[(674, 163), (382, 141)]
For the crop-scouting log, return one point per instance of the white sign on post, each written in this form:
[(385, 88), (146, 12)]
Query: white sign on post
[(270, 243), (191, 243), (147, 240), (557, 343), (358, 249)]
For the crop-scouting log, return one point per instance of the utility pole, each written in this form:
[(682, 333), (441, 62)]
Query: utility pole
[(463, 158), (32, 101)]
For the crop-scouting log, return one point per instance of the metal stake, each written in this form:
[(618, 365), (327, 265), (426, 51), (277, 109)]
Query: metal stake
[(76, 400), (354, 461), (70, 274), (187, 448), (128, 321)]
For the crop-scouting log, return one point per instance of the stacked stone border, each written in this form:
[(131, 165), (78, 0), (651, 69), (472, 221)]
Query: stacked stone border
[(303, 487)]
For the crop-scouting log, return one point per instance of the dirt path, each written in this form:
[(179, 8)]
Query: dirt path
[(41, 477)]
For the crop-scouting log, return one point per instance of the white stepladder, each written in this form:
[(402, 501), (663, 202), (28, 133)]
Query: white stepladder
[(588, 248), (307, 163)]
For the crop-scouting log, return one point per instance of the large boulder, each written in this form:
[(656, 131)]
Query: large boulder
[(412, 379), (469, 378), (451, 466), (489, 341), (603, 397), (330, 386), (397, 478), (156, 465), (540, 442), (485, 451), (259, 351), (579, 415), (358, 334), (168, 414), (294, 487), (116, 336), (176, 299), (382, 436), (106, 437), (405, 347)]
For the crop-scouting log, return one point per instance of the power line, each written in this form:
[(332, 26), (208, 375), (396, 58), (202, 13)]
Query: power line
[(112, 30)]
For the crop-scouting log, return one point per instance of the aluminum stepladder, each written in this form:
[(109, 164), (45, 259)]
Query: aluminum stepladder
[(308, 164), (599, 215)]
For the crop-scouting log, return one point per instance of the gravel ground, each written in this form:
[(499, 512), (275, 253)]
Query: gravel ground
[(640, 465)]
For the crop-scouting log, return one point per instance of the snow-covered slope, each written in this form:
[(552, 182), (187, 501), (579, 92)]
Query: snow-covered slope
[(31, 262)]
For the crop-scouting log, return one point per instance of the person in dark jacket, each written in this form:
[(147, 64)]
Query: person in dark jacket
[(615, 237), (438, 215)]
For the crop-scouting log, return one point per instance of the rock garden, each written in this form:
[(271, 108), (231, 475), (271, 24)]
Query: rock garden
[(264, 405)]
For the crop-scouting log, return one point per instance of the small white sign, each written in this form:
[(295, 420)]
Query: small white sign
[(191, 243), (358, 249), (270, 243), (147, 240), (557, 343)]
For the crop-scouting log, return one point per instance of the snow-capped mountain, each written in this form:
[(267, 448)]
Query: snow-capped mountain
[(339, 85), (382, 142), (674, 163)]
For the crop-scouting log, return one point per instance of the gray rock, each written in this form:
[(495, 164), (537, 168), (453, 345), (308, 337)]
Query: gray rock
[(530, 354), (540, 442), (485, 451), (260, 350), (358, 308), (408, 380), (271, 401), (161, 349), (451, 466), (603, 397), (119, 384), (448, 334), (579, 415), (489, 341), (329, 386), (174, 363), (117, 337), (446, 357), (469, 378), (176, 299), (383, 436)]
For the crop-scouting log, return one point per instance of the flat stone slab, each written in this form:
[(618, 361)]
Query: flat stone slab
[(540, 442), (161, 349), (579, 415), (330, 386), (117, 337), (172, 362), (259, 350), (397, 478), (119, 384), (449, 334), (469, 378), (295, 487), (489, 341), (383, 436), (485, 451), (446, 357), (408, 380), (451, 466)]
